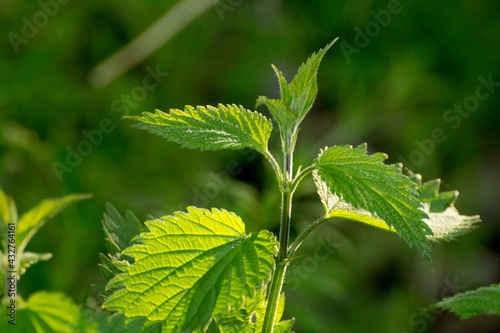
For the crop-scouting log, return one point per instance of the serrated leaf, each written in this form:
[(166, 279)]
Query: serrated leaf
[(192, 266), (30, 258), (303, 89), (46, 312), (438, 202), (210, 128), (119, 230), (297, 97), (484, 300), (110, 266), (447, 224), (281, 112), (365, 182), (285, 93), (335, 208), (31, 221), (247, 319), (250, 317)]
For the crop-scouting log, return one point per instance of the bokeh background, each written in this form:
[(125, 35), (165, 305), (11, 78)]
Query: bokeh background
[(389, 81)]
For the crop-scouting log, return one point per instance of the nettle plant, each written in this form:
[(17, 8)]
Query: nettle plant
[(42, 311), (198, 271)]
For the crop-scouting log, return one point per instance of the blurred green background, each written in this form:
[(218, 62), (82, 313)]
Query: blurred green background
[(390, 81)]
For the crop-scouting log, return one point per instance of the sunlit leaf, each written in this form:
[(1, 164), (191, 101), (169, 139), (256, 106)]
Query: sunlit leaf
[(367, 184), (209, 128), (46, 312), (444, 220), (192, 266), (297, 97)]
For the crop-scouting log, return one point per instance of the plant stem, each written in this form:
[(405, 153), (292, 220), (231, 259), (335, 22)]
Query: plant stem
[(300, 175), (274, 297), (295, 245), (281, 259)]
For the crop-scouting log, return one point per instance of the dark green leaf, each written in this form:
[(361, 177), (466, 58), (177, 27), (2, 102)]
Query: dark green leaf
[(119, 231), (484, 300)]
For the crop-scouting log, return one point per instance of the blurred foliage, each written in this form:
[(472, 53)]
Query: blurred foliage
[(392, 94)]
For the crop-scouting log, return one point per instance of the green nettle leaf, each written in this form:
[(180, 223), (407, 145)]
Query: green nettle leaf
[(367, 184), (304, 86), (281, 112), (31, 221), (446, 223), (120, 232), (45, 312), (337, 208), (192, 266), (429, 192), (250, 317), (210, 128), (484, 300), (298, 96), (27, 226)]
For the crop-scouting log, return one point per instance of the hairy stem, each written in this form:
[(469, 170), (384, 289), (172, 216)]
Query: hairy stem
[(274, 297), (281, 259)]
